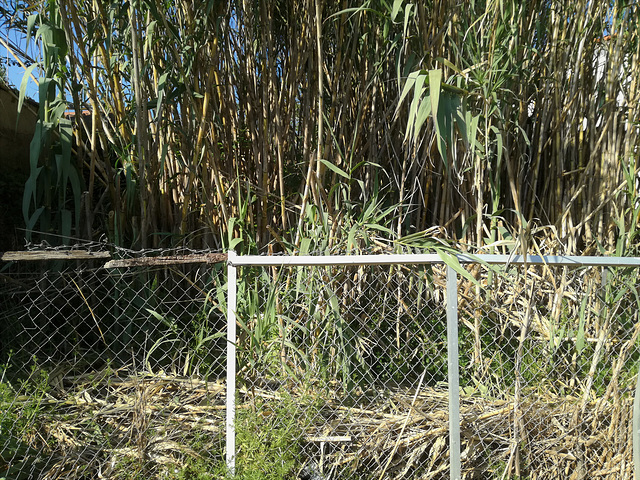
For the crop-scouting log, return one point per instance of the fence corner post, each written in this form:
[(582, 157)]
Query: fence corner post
[(232, 278), (454, 374)]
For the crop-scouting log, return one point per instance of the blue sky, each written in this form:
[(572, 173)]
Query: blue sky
[(15, 72)]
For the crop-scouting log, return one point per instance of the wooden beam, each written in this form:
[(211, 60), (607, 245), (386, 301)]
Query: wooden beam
[(46, 255), (207, 258)]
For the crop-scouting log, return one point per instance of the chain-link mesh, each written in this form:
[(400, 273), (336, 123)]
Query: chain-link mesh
[(110, 373), (550, 361), (336, 355), (342, 372)]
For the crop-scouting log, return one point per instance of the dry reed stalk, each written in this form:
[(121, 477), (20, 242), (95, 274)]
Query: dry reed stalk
[(385, 436), (243, 95)]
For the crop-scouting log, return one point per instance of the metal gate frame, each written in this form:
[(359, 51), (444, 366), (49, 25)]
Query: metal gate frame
[(234, 261)]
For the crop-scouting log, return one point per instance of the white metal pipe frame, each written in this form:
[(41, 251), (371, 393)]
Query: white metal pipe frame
[(430, 258), (234, 261)]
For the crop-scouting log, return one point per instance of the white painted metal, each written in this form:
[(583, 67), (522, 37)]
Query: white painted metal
[(635, 425), (455, 467), (575, 261), (232, 277), (319, 260), (429, 258)]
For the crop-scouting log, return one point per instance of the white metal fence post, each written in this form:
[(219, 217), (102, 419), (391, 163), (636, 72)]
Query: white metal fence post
[(232, 278), (454, 375), (635, 425)]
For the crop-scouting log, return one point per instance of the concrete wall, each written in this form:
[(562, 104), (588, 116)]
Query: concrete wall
[(15, 138)]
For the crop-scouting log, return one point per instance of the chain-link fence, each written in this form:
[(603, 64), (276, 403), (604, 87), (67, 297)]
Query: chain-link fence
[(550, 356), (345, 368), (342, 370), (110, 373)]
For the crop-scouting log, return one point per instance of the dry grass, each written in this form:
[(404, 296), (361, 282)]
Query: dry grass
[(101, 423), (153, 425)]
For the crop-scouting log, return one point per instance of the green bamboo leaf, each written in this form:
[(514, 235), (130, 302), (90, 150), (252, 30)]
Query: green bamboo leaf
[(397, 5), (45, 92), (422, 115), (40, 135), (450, 105), (68, 171), (580, 336), (60, 171), (65, 129), (23, 85), (460, 119), (213, 337), (351, 238), (355, 10), (448, 63), (29, 195), (159, 17), (59, 41), (380, 228), (335, 168), (369, 209), (407, 16), (333, 301), (382, 214), (31, 185), (234, 243), (293, 324), (452, 261), (231, 241), (58, 109), (498, 136), (162, 83), (33, 219), (435, 81), (149, 34), (301, 354), (472, 122), (31, 23), (418, 92), (408, 86)]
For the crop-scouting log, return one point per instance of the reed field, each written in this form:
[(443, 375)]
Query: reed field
[(271, 122), (316, 127)]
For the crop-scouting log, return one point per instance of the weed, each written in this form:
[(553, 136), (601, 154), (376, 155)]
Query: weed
[(200, 470), (268, 438), (20, 420)]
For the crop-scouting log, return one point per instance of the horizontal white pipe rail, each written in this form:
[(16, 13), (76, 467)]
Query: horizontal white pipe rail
[(430, 258)]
